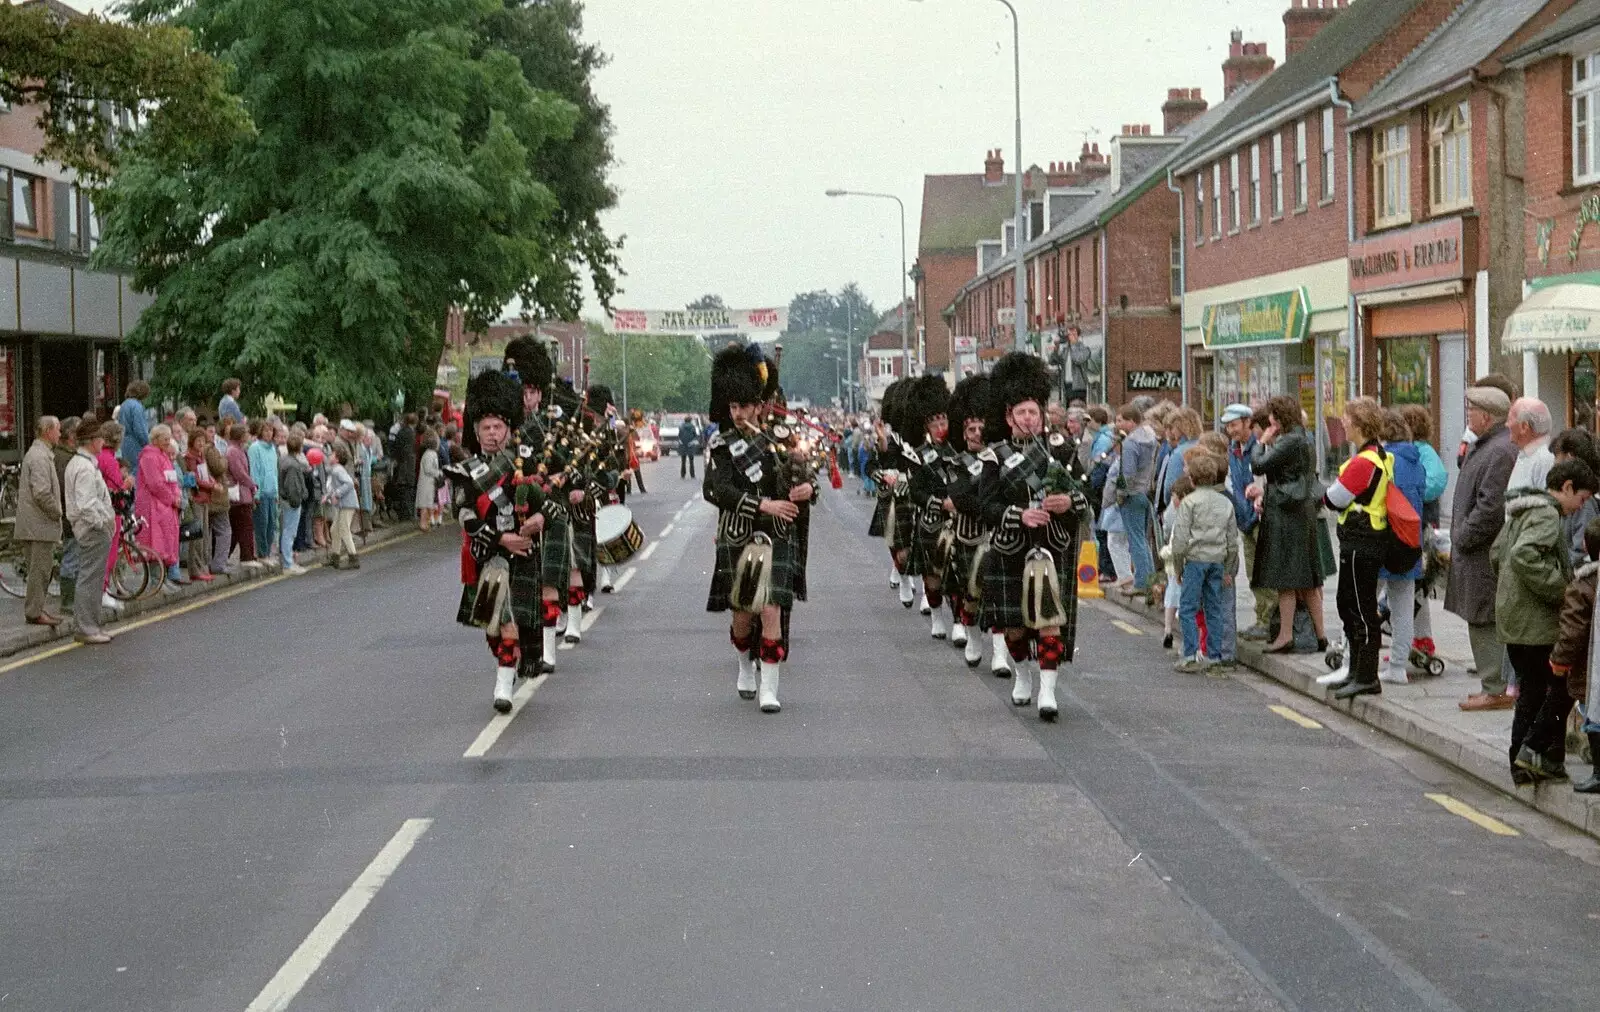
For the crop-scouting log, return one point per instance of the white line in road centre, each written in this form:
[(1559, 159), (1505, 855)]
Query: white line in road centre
[(666, 530), (649, 550), (583, 627), (294, 974), (627, 574), (500, 721)]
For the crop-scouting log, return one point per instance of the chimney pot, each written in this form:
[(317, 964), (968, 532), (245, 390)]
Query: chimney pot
[(1247, 62)]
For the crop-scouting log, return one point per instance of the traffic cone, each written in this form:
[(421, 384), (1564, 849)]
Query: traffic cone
[(1089, 570)]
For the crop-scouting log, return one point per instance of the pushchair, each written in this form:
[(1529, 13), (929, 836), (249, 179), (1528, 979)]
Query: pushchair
[(1435, 573)]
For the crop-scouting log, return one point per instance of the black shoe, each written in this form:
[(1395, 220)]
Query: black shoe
[(1322, 646), (1589, 786), (1352, 689), (1521, 777), (1540, 766), (1166, 642)]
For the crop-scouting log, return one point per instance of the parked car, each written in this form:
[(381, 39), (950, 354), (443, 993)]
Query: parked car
[(668, 432)]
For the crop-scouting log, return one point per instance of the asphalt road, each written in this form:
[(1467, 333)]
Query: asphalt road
[(267, 802)]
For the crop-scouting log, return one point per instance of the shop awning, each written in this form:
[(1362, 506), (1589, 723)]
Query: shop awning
[(1556, 318)]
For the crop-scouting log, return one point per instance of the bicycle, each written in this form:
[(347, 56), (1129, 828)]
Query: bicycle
[(136, 571), (13, 560)]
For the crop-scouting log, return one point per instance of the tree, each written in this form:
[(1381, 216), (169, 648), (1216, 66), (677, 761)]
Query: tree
[(812, 311), (72, 69), (395, 174), (664, 373), (707, 302)]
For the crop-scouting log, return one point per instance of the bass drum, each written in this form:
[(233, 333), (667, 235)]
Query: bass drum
[(617, 538)]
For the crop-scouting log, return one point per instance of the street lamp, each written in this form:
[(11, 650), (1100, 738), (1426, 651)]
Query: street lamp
[(905, 315), (1020, 328), (838, 385)]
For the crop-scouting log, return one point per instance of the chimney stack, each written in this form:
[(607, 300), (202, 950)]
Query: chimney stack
[(1247, 63), (1092, 165), (994, 167), (1182, 106), (1304, 20)]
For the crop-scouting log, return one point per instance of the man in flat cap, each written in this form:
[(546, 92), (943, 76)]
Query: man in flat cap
[(1477, 514)]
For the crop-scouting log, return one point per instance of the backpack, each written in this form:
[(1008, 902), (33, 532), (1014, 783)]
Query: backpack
[(292, 486), (1403, 541)]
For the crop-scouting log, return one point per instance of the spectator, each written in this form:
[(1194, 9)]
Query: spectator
[(1498, 382), (219, 511), (262, 456), (184, 423), (380, 474), (119, 484), (1111, 525), (1571, 657), (38, 519), (1476, 516), (1529, 424), (340, 494), (294, 488), (428, 474), (228, 412), (1400, 588), (1172, 596), (1578, 444), (242, 497), (135, 423), (1419, 422), (362, 474), (1205, 552), (65, 449), (158, 496), (1135, 489), (1099, 442), (403, 468), (93, 524), (688, 446), (1360, 497), (1532, 571), (1288, 556), (206, 489)]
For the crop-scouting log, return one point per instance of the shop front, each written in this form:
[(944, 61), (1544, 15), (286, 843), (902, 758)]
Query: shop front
[(1414, 294), (1557, 330)]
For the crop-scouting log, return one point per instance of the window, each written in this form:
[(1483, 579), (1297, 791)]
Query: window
[(1301, 190), (1327, 154), (1391, 175), (1199, 208), (1009, 235), (1276, 182), (1450, 155), (1233, 191), (24, 208), (1585, 143), (1096, 268), (1255, 184), (1216, 200), (1177, 269)]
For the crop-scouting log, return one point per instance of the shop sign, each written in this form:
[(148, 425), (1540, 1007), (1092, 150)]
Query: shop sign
[(1279, 318), (1006, 316), (1155, 379), (966, 345), (1413, 256)]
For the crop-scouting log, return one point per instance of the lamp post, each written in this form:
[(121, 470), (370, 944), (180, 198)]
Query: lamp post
[(905, 316), (838, 387)]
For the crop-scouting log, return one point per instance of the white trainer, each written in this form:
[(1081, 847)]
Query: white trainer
[(110, 603), (1022, 684), (1392, 676), (505, 680), (1047, 694), (769, 687), (1335, 676), (747, 676)]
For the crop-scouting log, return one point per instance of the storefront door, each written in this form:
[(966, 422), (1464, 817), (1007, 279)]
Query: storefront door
[(1583, 390)]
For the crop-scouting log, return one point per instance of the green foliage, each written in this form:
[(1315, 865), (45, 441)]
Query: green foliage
[(664, 373), (707, 302), (819, 323), (397, 170), (74, 70)]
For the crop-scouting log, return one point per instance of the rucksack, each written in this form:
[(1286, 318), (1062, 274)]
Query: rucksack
[(1403, 545)]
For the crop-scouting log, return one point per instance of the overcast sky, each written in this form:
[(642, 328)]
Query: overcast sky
[(733, 116)]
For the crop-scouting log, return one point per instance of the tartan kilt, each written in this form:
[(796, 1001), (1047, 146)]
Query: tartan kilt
[(784, 564), (555, 554), (905, 526), (1001, 606), (526, 608), (923, 560), (583, 547), (961, 559), (880, 517)]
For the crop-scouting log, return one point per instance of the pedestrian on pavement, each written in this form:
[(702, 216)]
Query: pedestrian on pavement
[(380, 474), (1578, 444), (294, 488), (1110, 526), (1183, 432), (1477, 513), (119, 484), (1530, 425), (1205, 553), (1288, 556), (403, 469), (262, 455), (206, 488), (1360, 498), (157, 498), (242, 496), (1235, 420), (135, 423), (1419, 421), (1532, 572), (65, 449), (1400, 588), (428, 474), (1136, 488), (38, 520), (93, 524), (341, 495), (1574, 656), (1097, 450), (228, 412), (688, 446), (219, 511)]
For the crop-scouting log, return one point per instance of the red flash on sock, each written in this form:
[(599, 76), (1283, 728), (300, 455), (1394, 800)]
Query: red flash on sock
[(552, 614), (576, 596), (1051, 651), (741, 643), (505, 652), (1019, 648), (772, 651)]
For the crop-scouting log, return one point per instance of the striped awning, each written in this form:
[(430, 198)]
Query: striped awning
[(1556, 318)]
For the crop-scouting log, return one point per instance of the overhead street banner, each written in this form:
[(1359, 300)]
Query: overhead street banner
[(697, 322)]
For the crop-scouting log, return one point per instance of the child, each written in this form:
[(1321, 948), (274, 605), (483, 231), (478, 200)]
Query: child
[(1205, 553), (341, 496), (1181, 488), (1572, 656)]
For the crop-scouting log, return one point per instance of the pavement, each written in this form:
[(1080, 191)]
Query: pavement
[(299, 797), (1424, 713)]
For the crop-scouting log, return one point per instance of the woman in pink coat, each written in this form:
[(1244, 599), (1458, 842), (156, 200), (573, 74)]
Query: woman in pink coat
[(120, 486), (157, 499)]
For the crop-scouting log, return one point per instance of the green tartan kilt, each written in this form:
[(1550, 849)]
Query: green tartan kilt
[(583, 547), (555, 555), (923, 560), (880, 517), (1001, 605), (784, 563), (959, 577), (905, 526)]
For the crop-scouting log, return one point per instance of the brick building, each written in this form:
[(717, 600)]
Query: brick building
[(1266, 212), (61, 324), (882, 358)]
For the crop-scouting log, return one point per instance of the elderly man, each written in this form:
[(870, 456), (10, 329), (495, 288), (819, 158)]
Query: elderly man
[(93, 521), (38, 524), (1477, 514), (1529, 425), (1241, 444)]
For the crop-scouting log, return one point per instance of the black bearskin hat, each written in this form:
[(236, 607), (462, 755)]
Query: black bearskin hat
[(974, 398), (600, 398), (1019, 377), (737, 377), (489, 394), (923, 398), (527, 357), (893, 399)]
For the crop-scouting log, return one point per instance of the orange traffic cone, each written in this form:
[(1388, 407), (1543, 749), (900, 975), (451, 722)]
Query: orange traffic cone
[(1089, 570)]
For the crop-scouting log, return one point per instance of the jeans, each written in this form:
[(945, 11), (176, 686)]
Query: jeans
[(221, 541), (286, 538), (1402, 622), (1202, 590), (94, 548), (265, 519), (1136, 518), (686, 463), (1540, 719), (303, 541), (1359, 565)]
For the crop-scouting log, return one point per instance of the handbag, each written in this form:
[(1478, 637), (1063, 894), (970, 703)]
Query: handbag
[(193, 529)]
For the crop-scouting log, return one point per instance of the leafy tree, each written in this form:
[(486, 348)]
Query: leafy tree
[(71, 69), (708, 302), (665, 373), (396, 172)]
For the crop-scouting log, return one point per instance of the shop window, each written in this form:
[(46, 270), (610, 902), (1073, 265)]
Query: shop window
[(1407, 364), (1233, 191), (1585, 142), (1584, 382), (10, 443), (1391, 175), (1450, 156), (1276, 181), (1327, 154)]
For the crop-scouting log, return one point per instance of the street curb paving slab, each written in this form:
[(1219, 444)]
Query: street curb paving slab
[(1472, 757)]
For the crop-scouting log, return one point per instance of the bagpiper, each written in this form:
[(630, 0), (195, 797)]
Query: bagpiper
[(930, 468), (500, 501), (893, 517), (1033, 504), (971, 413), (545, 420), (747, 481), (609, 474)]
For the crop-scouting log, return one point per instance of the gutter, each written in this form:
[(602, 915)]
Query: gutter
[(1183, 286), (1404, 102), (1283, 113)]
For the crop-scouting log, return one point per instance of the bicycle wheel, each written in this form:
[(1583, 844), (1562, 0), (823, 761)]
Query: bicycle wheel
[(129, 578), (155, 572), (13, 567)]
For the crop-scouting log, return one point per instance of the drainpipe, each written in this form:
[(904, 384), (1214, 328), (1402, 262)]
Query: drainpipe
[(1353, 380), (1183, 287), (1105, 312)]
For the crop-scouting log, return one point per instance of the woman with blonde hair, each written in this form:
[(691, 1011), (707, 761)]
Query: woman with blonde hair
[(1360, 497)]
